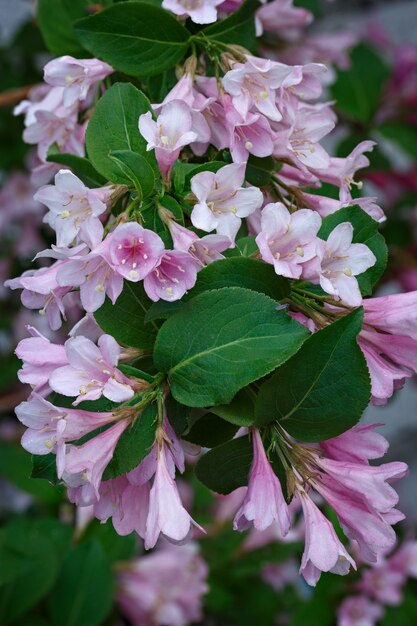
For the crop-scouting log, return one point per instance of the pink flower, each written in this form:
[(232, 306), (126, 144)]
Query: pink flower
[(371, 482), (95, 276), (264, 501), (405, 559), (74, 209), (395, 314), (359, 445), (41, 291), (205, 249), (288, 240), (323, 551), (89, 460), (253, 85), (247, 135), (49, 427), (92, 371), (76, 76), (174, 274), (201, 12), (40, 358), (222, 201), (383, 583), (390, 359), (166, 513), (359, 611), (165, 587), (279, 575), (340, 261), (282, 17), (298, 135), (171, 132), (127, 505), (134, 251), (361, 522), (341, 172)]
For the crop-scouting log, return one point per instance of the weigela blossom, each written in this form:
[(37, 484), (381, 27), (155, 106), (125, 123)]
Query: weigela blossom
[(338, 262), (92, 371), (389, 341), (165, 587), (253, 85), (172, 276), (171, 132), (264, 501), (201, 12), (134, 251), (222, 201), (288, 240), (74, 209), (40, 359), (76, 76), (359, 611)]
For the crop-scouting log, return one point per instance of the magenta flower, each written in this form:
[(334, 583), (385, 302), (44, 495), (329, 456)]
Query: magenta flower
[(288, 240), (174, 274), (92, 371), (264, 501), (200, 12), (40, 358), (166, 513), (74, 209), (134, 251), (323, 551), (247, 135), (76, 76), (359, 611), (171, 132), (395, 314), (222, 201)]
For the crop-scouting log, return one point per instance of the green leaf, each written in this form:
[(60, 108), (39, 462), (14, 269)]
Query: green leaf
[(84, 591), (365, 230), (238, 28), (404, 135), (125, 320), (221, 341), (241, 272), (134, 444), (55, 19), (225, 468), (162, 310), (323, 390), (240, 411), (178, 415), (259, 171), (96, 406), (210, 431), (15, 465), (25, 539), (44, 467), (136, 170), (81, 168), (135, 38), (359, 89), (114, 126)]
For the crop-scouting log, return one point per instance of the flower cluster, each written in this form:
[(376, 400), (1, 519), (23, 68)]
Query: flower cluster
[(234, 171)]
